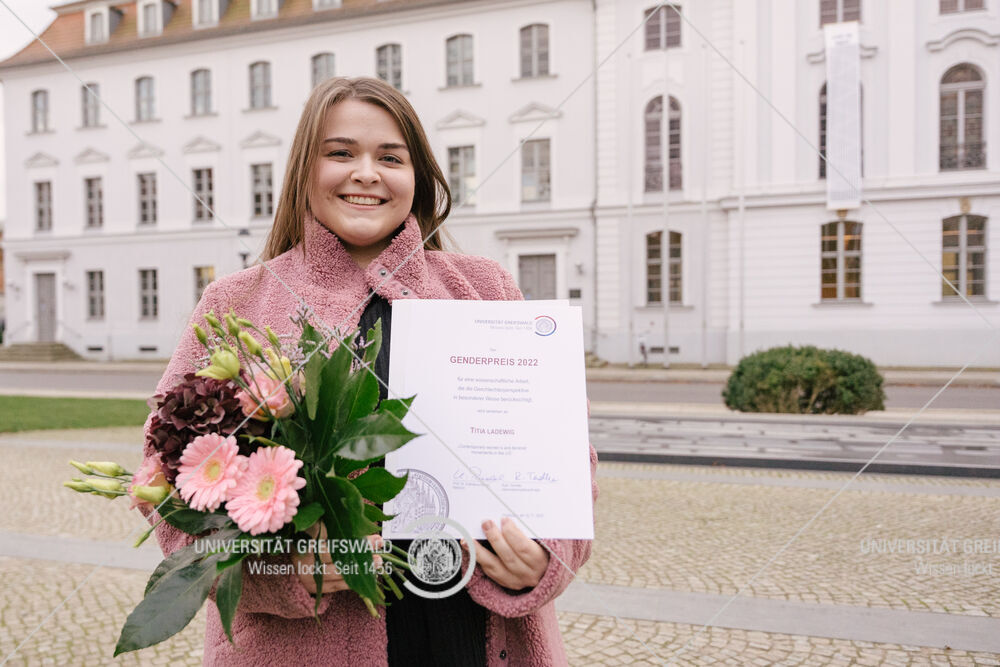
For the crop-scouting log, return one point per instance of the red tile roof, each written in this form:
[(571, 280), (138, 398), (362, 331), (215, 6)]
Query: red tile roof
[(65, 35)]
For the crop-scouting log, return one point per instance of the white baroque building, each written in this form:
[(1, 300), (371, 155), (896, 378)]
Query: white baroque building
[(107, 251)]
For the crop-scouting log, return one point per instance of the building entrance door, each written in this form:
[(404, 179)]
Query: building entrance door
[(45, 307), (537, 276)]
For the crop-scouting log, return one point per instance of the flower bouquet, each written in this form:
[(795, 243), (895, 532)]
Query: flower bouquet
[(261, 457)]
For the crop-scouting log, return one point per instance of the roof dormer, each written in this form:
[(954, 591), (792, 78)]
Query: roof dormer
[(154, 15), (207, 13), (101, 21), (319, 5), (264, 9)]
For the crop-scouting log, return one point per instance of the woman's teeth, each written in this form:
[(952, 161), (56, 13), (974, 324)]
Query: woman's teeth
[(364, 201)]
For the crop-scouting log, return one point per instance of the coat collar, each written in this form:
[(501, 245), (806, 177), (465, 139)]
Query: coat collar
[(328, 262)]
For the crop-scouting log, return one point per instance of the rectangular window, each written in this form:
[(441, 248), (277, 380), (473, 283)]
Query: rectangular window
[(534, 50), (535, 172), (149, 306), (954, 6), (839, 11), (95, 295), (43, 206), (840, 261), (144, 99), (147, 199), (260, 85), (40, 111), (462, 174), (322, 68), (203, 202), (90, 105), (459, 60), (203, 275), (95, 202), (97, 32), (963, 256), (663, 29), (206, 12), (654, 263), (266, 9), (389, 64), (676, 276), (201, 92), (263, 190), (150, 21)]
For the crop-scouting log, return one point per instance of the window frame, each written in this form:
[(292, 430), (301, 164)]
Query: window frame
[(94, 279), (43, 206), (961, 90), (202, 182), (840, 256), (462, 174), (653, 150), (960, 7), (147, 200), (532, 152), (200, 282), (149, 298), (93, 197), (145, 30), (531, 38), (90, 105), (201, 92), (198, 15), (392, 62), (99, 16), (262, 189), (257, 13), (459, 55), (840, 12), (320, 63), (654, 268), (964, 251), (260, 85), (40, 111), (145, 99), (664, 34)]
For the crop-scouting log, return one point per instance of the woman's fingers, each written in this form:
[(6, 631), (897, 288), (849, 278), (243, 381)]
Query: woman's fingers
[(518, 563)]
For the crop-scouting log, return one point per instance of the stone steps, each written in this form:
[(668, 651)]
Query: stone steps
[(38, 352)]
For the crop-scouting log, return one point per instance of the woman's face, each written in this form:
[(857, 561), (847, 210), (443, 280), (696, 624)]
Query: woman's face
[(361, 187)]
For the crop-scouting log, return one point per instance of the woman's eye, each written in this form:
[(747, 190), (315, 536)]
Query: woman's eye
[(340, 153), (392, 158)]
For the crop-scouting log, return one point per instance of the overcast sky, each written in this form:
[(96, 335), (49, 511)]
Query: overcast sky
[(14, 37)]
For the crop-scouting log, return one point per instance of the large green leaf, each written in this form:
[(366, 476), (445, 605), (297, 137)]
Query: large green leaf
[(333, 379), (189, 554), (374, 513), (345, 518), (358, 399), (194, 522), (309, 341), (227, 597), (307, 516), (379, 485), (372, 437), (396, 406), (374, 339), (169, 606)]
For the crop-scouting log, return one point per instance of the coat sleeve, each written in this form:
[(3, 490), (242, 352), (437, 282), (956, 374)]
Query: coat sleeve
[(565, 556), (280, 595)]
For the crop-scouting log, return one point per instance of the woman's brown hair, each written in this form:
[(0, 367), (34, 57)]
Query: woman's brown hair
[(431, 195)]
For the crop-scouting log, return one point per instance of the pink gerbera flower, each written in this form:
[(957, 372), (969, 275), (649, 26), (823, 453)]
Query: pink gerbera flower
[(205, 486), (266, 496)]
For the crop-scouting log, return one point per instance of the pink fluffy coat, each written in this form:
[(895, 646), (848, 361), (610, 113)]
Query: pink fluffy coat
[(274, 624)]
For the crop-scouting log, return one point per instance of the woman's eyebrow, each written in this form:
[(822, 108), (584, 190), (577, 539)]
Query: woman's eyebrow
[(353, 142)]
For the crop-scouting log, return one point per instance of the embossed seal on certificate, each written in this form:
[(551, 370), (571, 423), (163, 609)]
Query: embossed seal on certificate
[(545, 325), (422, 496)]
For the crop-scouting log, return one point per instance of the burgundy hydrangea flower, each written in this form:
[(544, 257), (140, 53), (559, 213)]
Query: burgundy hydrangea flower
[(196, 406)]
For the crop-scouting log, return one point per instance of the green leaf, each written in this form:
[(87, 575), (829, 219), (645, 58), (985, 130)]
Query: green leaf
[(169, 606), (379, 485), (189, 554), (375, 513), (309, 341), (227, 597), (194, 522), (333, 378), (372, 437), (307, 516), (396, 406), (344, 517), (374, 339)]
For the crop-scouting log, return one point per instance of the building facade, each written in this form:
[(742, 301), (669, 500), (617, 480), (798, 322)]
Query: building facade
[(107, 249)]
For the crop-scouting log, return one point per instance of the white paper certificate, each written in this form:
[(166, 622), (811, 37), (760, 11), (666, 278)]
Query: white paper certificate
[(502, 384)]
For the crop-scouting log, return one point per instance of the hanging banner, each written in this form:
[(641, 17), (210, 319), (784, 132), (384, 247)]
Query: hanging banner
[(843, 116)]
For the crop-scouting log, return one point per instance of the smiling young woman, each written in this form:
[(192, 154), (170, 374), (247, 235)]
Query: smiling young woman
[(354, 231)]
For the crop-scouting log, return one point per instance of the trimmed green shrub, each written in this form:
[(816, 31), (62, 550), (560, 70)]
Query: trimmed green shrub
[(805, 380)]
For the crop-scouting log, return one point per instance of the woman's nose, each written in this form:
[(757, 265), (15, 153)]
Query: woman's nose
[(365, 171)]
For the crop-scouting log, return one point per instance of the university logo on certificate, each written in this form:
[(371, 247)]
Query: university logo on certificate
[(501, 403)]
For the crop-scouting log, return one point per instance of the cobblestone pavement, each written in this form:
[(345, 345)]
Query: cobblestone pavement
[(679, 528)]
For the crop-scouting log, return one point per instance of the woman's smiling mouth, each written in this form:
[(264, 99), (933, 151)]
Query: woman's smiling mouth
[(362, 200)]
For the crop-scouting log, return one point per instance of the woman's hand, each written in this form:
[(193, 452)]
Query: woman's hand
[(519, 562), (305, 563)]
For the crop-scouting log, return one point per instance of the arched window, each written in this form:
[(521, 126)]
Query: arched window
[(654, 264), (260, 85), (822, 129), (458, 54), (201, 92), (962, 144), (654, 150), (963, 255), (840, 261), (838, 11), (322, 68), (145, 99), (534, 50), (663, 29), (389, 64), (40, 111)]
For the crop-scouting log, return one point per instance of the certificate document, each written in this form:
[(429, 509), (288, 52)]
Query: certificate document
[(500, 400)]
